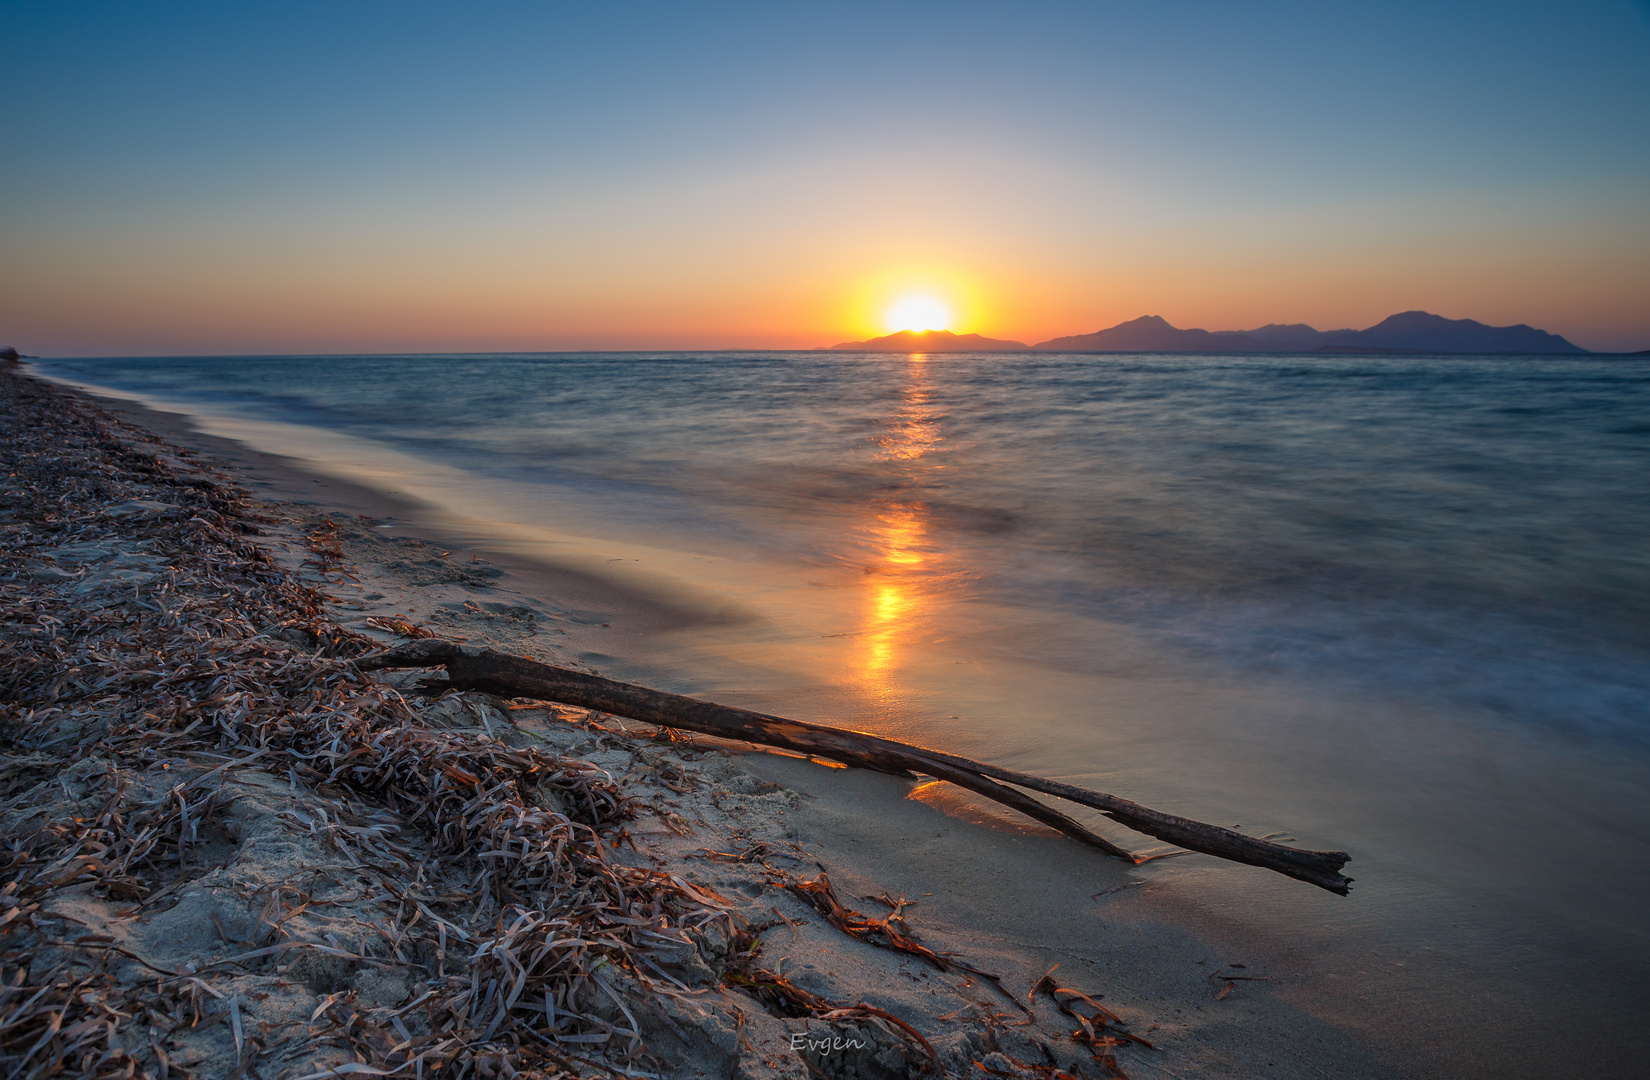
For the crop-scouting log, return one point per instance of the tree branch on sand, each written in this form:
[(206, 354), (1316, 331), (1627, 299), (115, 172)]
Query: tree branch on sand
[(514, 676)]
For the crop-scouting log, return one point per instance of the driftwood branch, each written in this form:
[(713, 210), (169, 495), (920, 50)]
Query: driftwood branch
[(514, 676)]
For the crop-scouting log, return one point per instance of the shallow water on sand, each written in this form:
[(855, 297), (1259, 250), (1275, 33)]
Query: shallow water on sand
[(1395, 605)]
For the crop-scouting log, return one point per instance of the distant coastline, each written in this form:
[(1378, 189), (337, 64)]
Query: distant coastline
[(1417, 332)]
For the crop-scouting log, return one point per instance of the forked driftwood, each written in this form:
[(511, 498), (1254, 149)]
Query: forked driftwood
[(514, 676)]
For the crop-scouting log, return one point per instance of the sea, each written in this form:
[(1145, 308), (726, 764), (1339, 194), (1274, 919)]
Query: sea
[(1393, 605)]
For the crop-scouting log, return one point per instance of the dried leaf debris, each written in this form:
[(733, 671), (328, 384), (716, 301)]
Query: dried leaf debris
[(147, 678)]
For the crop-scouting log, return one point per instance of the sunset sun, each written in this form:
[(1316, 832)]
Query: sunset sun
[(919, 313)]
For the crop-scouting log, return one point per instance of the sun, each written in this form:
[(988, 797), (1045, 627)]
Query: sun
[(919, 313)]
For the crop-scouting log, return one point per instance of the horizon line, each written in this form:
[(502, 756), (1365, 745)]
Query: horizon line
[(1316, 353)]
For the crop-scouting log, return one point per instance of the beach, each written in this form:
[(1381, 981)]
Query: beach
[(1217, 993), (743, 826)]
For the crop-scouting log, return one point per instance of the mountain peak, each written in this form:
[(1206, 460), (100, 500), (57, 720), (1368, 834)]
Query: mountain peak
[(1152, 333), (1422, 331)]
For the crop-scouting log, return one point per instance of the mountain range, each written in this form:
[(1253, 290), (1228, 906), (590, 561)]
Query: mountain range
[(1408, 332)]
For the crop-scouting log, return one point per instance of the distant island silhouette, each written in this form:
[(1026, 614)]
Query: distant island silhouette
[(910, 341), (1407, 332)]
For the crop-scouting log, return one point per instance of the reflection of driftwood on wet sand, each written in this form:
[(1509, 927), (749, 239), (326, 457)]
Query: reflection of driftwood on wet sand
[(514, 676)]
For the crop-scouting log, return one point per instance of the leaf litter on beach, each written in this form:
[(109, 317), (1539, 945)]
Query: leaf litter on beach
[(225, 664)]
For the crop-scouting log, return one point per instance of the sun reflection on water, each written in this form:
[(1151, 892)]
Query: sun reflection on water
[(902, 573)]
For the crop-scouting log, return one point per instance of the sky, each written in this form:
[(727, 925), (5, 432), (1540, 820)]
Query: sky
[(385, 177)]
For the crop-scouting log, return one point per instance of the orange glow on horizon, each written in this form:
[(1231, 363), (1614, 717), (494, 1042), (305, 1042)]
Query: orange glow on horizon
[(914, 297), (174, 295)]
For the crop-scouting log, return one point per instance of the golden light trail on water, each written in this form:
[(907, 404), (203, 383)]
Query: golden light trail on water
[(904, 573)]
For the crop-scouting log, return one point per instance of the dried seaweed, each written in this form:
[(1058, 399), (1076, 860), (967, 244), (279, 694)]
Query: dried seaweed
[(890, 932), (154, 665), (1101, 1032)]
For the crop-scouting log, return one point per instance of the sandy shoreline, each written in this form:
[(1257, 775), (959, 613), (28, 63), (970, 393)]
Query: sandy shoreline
[(1013, 901)]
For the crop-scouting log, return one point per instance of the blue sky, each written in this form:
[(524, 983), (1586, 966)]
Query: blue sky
[(245, 178)]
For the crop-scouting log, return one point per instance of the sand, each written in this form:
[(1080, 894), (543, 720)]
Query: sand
[(746, 831)]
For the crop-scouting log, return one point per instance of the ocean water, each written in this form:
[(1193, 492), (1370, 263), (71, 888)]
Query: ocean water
[(1461, 530), (1399, 605)]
